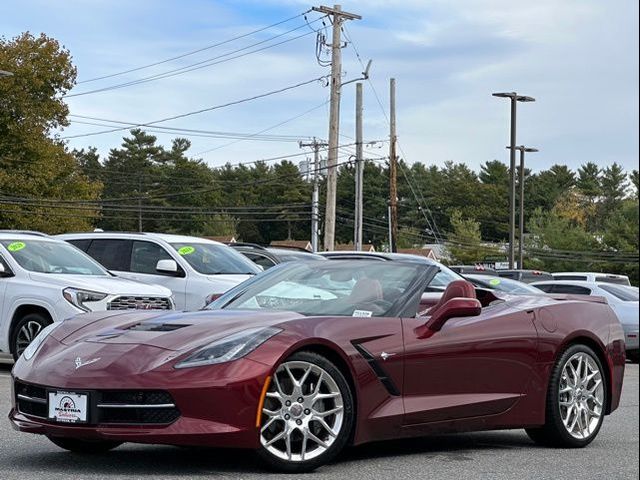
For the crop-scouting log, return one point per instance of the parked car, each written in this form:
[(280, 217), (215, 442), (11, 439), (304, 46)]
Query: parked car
[(267, 257), (195, 269), (502, 284), (472, 269), (525, 276), (593, 277), (297, 374), (622, 299), (45, 280)]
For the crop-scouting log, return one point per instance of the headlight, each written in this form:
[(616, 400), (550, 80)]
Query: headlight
[(32, 348), (229, 348), (77, 297)]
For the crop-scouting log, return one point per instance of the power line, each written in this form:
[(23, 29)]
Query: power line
[(196, 112), (199, 65), (193, 52)]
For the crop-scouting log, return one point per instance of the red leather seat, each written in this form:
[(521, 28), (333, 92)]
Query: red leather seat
[(456, 289)]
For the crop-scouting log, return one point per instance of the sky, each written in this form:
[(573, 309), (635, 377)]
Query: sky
[(578, 58)]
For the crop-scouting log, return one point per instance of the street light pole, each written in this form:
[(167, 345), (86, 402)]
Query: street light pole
[(522, 150), (514, 97)]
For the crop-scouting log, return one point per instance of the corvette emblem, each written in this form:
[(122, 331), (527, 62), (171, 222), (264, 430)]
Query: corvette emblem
[(80, 363)]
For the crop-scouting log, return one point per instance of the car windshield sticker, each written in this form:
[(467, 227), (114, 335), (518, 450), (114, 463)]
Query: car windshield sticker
[(16, 246), (362, 313), (186, 250), (494, 282)]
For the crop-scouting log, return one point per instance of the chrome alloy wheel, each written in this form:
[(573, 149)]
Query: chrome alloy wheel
[(26, 334), (581, 395), (303, 412)]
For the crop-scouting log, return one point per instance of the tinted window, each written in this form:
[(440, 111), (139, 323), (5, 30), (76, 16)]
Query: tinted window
[(7, 270), (82, 244), (508, 275), (615, 280), (145, 257), (545, 288), (623, 293), (571, 289), (112, 254), (569, 277), (261, 260)]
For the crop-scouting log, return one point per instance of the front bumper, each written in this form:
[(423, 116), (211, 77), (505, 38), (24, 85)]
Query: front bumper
[(217, 405)]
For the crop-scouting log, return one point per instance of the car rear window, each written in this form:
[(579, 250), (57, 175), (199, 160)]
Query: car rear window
[(570, 277), (571, 289), (614, 280), (623, 293)]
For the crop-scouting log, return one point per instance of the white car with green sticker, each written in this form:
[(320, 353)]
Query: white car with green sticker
[(44, 280), (196, 270)]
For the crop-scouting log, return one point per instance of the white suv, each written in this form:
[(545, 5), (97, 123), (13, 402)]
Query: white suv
[(44, 280), (195, 269)]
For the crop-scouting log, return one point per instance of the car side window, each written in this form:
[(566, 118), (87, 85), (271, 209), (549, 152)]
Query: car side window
[(571, 289), (111, 253), (570, 277), (545, 288), (82, 244), (261, 260), (6, 270), (145, 257)]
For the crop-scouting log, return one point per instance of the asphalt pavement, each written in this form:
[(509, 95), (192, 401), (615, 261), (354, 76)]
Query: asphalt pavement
[(490, 455)]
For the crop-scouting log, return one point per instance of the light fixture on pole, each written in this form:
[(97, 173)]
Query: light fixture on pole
[(514, 98), (522, 150)]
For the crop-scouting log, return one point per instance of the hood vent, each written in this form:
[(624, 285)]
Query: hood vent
[(157, 327)]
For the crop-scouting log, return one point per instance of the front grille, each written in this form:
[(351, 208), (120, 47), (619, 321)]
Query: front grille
[(146, 407), (139, 303)]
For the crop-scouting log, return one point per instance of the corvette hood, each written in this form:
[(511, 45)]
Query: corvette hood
[(101, 283), (178, 331)]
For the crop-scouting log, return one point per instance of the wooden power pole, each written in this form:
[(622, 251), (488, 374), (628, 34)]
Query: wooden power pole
[(337, 18), (315, 196), (357, 241), (393, 170)]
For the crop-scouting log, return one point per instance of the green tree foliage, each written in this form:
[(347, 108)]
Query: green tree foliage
[(33, 164)]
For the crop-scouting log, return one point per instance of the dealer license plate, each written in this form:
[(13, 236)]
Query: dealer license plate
[(68, 407)]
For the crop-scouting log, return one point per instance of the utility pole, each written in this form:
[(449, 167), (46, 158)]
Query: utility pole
[(521, 179), (337, 18), (139, 204), (393, 170), (515, 98), (315, 196), (357, 241)]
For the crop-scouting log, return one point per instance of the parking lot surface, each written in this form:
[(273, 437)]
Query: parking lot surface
[(491, 455)]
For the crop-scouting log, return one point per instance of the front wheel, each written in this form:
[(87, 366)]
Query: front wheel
[(308, 414), (576, 400), (84, 446), (25, 331)]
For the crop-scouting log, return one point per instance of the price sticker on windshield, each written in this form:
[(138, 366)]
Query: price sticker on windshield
[(186, 250), (16, 246), (362, 313), (494, 282)]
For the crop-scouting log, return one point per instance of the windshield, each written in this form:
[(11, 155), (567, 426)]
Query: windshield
[(504, 285), (444, 277), (213, 259), (52, 257), (625, 294), (359, 289)]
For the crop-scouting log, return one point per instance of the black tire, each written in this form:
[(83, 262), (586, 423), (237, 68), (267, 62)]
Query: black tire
[(553, 433), (343, 436), (26, 322), (84, 446), (634, 356)]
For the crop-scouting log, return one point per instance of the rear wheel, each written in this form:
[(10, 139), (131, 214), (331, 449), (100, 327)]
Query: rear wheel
[(308, 414), (575, 400), (84, 446), (27, 328)]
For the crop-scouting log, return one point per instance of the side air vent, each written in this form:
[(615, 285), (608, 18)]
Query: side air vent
[(377, 369)]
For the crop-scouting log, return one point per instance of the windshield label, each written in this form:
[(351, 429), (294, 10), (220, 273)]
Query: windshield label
[(16, 246), (186, 250), (362, 313)]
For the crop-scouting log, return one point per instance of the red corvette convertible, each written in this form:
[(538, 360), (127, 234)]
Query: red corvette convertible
[(310, 357)]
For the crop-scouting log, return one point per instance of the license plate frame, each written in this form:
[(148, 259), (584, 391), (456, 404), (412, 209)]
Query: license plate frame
[(68, 407)]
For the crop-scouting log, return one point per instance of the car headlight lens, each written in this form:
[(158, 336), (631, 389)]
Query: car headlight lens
[(33, 347), (78, 297), (229, 348)]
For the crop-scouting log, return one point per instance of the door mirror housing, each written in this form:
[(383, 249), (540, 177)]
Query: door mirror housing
[(167, 266), (454, 308)]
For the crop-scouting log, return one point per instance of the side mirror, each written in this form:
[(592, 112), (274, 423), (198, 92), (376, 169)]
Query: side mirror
[(167, 266), (454, 308)]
